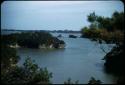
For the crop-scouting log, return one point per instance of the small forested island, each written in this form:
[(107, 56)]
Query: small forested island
[(72, 36), (33, 40)]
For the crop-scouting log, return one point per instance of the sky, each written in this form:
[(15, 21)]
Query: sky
[(54, 15)]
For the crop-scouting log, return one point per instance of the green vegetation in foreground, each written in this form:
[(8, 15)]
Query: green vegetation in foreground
[(29, 73), (109, 30), (33, 40)]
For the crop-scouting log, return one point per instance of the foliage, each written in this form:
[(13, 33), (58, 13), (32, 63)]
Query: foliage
[(116, 22), (92, 17), (8, 57), (110, 30), (29, 73), (9, 39), (116, 36), (31, 39), (88, 33), (94, 81)]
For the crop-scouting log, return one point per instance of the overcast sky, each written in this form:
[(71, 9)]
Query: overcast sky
[(53, 15)]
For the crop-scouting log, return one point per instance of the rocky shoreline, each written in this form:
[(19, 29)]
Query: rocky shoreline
[(61, 46)]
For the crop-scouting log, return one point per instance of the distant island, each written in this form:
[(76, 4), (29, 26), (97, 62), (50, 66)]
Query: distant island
[(72, 36)]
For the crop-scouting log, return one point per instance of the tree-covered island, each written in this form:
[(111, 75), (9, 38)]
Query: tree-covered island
[(33, 40)]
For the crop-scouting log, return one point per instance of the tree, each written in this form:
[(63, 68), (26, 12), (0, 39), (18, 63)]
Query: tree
[(118, 20), (29, 73), (92, 17), (8, 57), (111, 30)]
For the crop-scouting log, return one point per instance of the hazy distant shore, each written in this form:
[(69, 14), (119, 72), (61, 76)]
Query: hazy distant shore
[(53, 31)]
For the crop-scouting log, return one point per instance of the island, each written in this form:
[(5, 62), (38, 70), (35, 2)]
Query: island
[(59, 35), (72, 36), (33, 40)]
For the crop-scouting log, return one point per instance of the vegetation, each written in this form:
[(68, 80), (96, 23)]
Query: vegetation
[(116, 37), (110, 30), (8, 58), (32, 39), (116, 22), (11, 73), (29, 73)]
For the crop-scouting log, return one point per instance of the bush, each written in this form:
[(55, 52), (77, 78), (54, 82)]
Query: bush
[(29, 73)]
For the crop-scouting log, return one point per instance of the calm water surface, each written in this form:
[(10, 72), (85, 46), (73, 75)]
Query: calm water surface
[(80, 60)]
